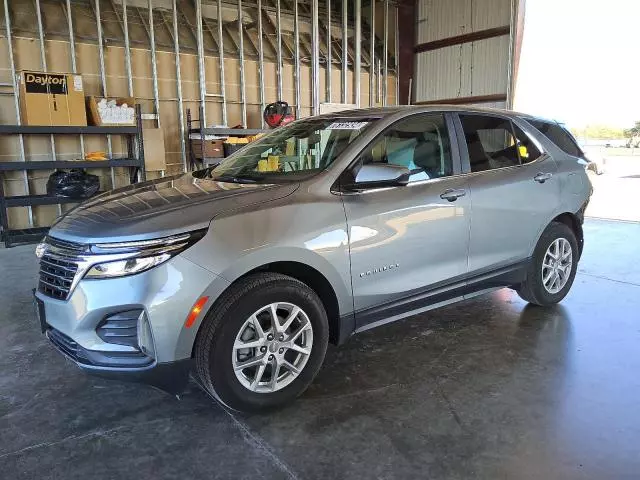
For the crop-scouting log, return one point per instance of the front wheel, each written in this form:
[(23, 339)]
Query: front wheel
[(552, 268), (263, 342)]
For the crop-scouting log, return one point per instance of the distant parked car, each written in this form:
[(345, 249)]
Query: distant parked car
[(595, 163)]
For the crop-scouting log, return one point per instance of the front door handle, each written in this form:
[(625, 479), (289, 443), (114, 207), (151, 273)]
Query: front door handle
[(542, 177), (452, 194)]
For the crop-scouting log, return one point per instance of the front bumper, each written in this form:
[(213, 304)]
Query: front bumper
[(171, 377), (165, 294)]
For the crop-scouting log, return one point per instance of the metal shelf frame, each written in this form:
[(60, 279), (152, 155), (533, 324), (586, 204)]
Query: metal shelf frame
[(62, 130), (136, 165), (235, 132)]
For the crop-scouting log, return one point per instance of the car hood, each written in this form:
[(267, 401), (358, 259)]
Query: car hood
[(160, 208)]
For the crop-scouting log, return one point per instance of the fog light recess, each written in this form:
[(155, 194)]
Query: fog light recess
[(145, 336)]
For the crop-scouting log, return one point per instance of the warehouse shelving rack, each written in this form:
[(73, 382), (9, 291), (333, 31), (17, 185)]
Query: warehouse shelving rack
[(135, 162), (203, 132)]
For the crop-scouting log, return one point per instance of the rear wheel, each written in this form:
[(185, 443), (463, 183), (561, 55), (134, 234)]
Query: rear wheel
[(552, 268), (263, 342)]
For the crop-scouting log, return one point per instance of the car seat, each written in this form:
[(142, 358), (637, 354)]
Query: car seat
[(478, 159)]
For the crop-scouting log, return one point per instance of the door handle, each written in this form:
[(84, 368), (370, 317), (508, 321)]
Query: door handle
[(542, 177), (452, 194)]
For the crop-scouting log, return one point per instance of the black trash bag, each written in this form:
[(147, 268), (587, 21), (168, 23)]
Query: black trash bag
[(75, 183)]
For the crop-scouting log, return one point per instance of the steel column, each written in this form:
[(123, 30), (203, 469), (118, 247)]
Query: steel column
[(43, 63), (16, 101), (315, 58), (296, 38), (345, 50), (176, 44), (243, 94), (201, 71), (328, 58), (154, 67), (358, 41), (279, 48), (385, 52), (127, 48), (513, 22), (397, 55), (261, 63), (72, 53), (372, 56), (221, 59), (103, 79)]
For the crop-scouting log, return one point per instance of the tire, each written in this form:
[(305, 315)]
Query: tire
[(231, 319), (533, 289)]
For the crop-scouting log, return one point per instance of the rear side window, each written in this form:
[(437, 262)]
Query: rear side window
[(494, 142), (527, 149), (559, 136), (490, 142)]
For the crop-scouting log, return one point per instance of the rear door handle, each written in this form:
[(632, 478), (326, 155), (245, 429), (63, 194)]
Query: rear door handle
[(452, 194), (542, 177)]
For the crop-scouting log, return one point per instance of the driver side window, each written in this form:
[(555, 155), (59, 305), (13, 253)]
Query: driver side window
[(419, 143)]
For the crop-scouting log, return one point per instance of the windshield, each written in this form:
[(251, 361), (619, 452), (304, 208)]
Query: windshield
[(292, 152)]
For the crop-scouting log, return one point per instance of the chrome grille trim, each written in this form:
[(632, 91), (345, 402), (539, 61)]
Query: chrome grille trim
[(58, 268)]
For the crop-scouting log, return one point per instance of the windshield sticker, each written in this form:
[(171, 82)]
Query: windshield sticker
[(347, 125)]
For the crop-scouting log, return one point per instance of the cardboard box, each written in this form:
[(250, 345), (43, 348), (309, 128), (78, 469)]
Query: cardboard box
[(212, 148), (94, 112), (155, 159), (52, 99)]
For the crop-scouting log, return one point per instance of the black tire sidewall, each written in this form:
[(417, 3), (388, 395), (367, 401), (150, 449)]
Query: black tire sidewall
[(553, 232), (223, 379)]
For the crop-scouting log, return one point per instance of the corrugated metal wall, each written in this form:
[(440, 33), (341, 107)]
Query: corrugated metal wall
[(466, 70)]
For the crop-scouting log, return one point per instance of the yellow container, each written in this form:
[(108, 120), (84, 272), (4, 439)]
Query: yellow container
[(274, 163), (263, 165)]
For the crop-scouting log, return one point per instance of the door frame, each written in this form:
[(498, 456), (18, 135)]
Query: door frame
[(456, 154), (464, 151)]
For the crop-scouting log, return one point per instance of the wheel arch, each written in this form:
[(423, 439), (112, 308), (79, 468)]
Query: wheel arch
[(572, 221), (317, 281)]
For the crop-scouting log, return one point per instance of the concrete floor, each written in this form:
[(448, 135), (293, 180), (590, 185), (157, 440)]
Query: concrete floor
[(489, 388)]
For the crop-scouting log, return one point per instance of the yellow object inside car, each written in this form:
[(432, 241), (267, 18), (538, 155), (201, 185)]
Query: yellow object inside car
[(524, 153)]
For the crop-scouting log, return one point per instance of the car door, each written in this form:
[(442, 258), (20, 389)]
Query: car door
[(513, 190), (407, 240)]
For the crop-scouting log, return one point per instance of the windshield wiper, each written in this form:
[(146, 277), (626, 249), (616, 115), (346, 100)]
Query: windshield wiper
[(237, 179)]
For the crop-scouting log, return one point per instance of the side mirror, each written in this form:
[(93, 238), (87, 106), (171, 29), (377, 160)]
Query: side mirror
[(381, 175)]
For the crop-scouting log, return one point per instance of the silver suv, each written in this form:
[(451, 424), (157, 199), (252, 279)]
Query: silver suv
[(242, 273)]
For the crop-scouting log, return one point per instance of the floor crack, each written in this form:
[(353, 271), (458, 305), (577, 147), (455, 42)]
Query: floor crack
[(602, 277), (261, 445), (450, 407)]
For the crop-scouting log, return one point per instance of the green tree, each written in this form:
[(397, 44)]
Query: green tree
[(598, 132), (633, 134), (633, 131)]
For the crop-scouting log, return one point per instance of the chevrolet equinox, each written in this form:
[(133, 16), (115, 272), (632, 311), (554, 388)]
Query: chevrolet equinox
[(241, 273)]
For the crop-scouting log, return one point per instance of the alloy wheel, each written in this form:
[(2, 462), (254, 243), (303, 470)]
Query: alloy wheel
[(556, 265), (272, 347)]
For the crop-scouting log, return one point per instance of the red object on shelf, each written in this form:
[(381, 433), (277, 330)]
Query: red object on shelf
[(278, 114)]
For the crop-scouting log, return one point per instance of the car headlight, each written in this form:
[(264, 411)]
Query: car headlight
[(110, 260), (120, 268)]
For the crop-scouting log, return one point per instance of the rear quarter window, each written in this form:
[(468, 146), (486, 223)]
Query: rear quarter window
[(559, 136)]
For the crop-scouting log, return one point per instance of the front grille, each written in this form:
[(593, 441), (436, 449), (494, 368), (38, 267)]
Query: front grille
[(56, 277), (68, 247), (58, 268)]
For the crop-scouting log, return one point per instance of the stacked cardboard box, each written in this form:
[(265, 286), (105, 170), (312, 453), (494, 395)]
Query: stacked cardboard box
[(52, 99)]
